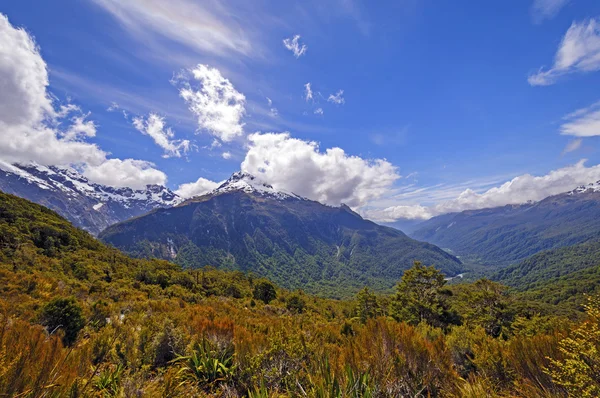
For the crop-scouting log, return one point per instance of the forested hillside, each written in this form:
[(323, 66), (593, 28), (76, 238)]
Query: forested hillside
[(509, 234), (81, 319), (299, 243)]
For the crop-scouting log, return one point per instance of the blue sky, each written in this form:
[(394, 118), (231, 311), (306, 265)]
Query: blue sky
[(438, 97)]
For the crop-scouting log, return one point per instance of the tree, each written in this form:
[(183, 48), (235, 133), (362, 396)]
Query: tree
[(421, 297), (64, 314), (366, 305), (265, 291), (296, 304), (484, 303), (578, 371)]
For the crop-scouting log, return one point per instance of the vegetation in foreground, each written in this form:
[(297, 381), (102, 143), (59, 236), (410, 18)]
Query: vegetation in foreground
[(80, 319)]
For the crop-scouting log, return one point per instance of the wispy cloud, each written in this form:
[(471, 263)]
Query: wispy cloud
[(338, 98), (578, 52), (584, 122), (206, 26), (293, 44), (319, 111), (308, 93), (546, 9)]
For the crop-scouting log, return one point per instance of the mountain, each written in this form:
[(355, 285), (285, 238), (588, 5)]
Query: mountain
[(90, 206), (508, 234), (247, 225)]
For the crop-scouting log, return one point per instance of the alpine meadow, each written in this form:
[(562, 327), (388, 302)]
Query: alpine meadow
[(299, 199)]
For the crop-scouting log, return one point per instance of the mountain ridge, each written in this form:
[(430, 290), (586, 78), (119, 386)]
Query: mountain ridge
[(508, 234), (247, 225), (90, 206)]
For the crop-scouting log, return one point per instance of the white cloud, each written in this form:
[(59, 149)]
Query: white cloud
[(226, 155), (80, 128), (205, 27), (308, 94), (319, 111), (337, 98), (584, 122), (113, 107), (294, 46), (578, 52), (155, 127), (519, 190), (30, 123), (200, 187), (274, 112), (546, 9), (218, 106), (131, 173), (331, 177)]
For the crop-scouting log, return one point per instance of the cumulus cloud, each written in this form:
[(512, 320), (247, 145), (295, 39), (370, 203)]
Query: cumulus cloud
[(81, 128), (584, 122), (216, 103), (31, 126), (319, 111), (226, 155), (338, 98), (519, 190), (131, 173), (546, 9), (293, 44), (308, 94), (578, 52), (331, 177), (199, 187), (205, 26), (155, 127)]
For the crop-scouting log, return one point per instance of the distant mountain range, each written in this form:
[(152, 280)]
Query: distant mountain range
[(90, 206), (509, 234), (247, 225)]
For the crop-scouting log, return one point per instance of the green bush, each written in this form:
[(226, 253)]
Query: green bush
[(64, 314)]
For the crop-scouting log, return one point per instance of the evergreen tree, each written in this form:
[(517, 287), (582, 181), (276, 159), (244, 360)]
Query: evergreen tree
[(366, 305), (421, 297)]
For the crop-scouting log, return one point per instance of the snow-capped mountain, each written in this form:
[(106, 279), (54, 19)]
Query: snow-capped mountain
[(240, 181), (88, 205), (247, 224)]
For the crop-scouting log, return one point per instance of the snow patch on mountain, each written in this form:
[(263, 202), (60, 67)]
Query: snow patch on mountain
[(248, 183), (591, 187), (70, 182)]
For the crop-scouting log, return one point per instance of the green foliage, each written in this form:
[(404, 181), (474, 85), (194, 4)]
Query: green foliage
[(421, 297), (579, 370), (265, 292), (64, 314), (207, 365), (366, 305), (485, 304), (296, 304)]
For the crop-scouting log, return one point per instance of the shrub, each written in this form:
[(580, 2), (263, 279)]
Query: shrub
[(265, 292), (64, 314)]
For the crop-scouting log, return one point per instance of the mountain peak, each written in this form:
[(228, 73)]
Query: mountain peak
[(246, 182), (591, 187)]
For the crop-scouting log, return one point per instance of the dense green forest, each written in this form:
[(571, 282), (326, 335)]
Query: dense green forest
[(79, 319)]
